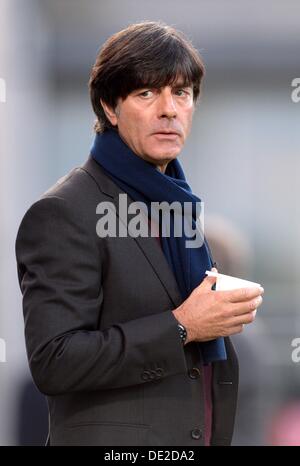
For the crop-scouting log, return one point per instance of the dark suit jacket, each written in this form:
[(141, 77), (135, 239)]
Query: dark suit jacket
[(101, 339)]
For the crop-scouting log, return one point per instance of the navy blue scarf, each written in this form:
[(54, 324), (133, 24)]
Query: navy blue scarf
[(144, 183)]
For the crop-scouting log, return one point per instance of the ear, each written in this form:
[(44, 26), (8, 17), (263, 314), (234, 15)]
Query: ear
[(110, 113)]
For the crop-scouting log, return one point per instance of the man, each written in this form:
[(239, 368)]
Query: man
[(124, 333)]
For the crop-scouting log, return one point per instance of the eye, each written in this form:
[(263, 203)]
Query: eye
[(182, 92), (146, 94)]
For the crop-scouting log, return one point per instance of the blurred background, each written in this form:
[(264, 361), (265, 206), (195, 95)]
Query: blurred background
[(242, 159)]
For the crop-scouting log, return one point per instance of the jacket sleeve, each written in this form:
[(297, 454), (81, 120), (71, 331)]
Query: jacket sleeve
[(60, 275)]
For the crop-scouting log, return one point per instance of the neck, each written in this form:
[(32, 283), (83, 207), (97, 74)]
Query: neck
[(162, 168)]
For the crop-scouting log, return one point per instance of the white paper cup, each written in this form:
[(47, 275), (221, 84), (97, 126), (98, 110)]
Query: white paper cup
[(226, 282)]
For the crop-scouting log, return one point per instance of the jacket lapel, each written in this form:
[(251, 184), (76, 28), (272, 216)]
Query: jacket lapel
[(148, 245)]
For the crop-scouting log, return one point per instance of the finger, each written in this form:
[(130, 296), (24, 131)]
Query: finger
[(235, 330), (207, 283), (242, 294), (243, 319), (245, 307)]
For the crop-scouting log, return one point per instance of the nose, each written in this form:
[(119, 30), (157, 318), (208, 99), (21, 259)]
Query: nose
[(166, 105)]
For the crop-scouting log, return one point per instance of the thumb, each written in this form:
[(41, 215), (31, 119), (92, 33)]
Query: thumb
[(208, 281)]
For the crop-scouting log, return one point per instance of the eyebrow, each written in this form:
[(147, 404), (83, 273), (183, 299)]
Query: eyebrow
[(175, 85)]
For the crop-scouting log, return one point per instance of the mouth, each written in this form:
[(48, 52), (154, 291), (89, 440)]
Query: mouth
[(167, 134)]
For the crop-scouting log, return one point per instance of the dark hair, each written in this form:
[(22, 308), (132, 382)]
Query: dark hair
[(147, 54)]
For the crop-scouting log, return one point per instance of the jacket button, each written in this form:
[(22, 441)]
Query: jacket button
[(196, 433), (194, 373), (160, 372), (145, 375), (152, 375)]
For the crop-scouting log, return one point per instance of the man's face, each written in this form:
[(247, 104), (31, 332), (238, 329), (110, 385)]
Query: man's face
[(155, 123)]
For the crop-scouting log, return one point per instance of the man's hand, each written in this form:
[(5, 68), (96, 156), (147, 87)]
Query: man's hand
[(208, 314)]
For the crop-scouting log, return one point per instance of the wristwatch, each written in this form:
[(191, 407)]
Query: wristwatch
[(182, 332)]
